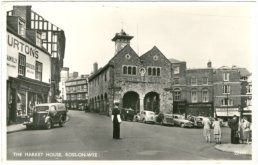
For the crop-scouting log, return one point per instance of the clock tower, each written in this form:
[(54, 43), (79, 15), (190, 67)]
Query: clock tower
[(121, 40)]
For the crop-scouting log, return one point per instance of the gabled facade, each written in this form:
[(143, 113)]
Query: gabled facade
[(140, 83)]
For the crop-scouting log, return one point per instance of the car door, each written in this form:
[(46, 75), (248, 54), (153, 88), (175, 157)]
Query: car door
[(53, 114)]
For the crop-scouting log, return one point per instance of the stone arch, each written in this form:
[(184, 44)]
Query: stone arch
[(152, 102), (131, 99)]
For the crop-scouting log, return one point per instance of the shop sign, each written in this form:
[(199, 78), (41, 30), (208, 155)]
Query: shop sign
[(227, 111)]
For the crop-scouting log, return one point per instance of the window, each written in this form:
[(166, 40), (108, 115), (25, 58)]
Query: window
[(226, 102), (105, 77), (176, 70), (177, 95), (153, 71), (193, 81), (205, 95), (226, 89), (226, 76), (21, 28), (249, 89), (158, 71), (38, 71), (149, 71), (176, 81), (22, 65), (194, 96), (205, 80), (128, 70)]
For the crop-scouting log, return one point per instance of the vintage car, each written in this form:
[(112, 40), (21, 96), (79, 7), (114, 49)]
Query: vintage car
[(47, 115), (127, 114), (179, 120), (197, 120), (146, 117), (165, 118)]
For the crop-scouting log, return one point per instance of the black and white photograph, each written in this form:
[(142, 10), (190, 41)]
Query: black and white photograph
[(128, 81)]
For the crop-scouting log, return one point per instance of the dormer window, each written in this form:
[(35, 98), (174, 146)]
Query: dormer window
[(21, 28)]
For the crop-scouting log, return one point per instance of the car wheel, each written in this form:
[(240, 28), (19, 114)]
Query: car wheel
[(48, 124), (182, 125), (29, 127)]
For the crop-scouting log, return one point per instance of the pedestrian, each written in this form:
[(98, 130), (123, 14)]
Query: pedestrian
[(233, 124), (116, 121), (241, 130), (216, 131), (207, 129), (246, 127)]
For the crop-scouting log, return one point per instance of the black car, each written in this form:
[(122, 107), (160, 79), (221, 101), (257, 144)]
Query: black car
[(127, 114)]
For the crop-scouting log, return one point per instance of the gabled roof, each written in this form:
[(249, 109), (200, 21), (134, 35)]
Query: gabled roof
[(154, 49), (172, 60)]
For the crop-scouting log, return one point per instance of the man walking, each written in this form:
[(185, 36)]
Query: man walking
[(233, 124)]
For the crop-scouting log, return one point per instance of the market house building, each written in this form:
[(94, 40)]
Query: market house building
[(137, 82), (28, 70)]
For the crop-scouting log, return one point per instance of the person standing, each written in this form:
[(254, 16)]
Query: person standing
[(233, 124), (241, 130), (207, 129), (116, 121), (216, 131), (246, 127)]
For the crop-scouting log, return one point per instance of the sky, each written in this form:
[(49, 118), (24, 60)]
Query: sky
[(220, 32)]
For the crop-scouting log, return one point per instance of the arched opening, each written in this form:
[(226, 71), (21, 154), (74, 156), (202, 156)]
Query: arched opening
[(131, 100), (151, 102)]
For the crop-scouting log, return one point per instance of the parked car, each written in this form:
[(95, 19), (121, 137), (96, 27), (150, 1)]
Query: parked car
[(165, 118), (47, 115), (127, 114), (146, 117), (179, 120), (197, 120)]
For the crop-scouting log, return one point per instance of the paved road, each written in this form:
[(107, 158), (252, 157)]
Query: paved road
[(88, 136)]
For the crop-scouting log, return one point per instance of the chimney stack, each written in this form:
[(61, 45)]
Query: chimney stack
[(209, 64), (95, 67)]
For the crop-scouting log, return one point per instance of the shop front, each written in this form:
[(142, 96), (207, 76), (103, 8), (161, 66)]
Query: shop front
[(23, 94), (200, 109), (226, 113)]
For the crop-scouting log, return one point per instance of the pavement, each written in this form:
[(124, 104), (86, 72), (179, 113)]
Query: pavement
[(237, 149)]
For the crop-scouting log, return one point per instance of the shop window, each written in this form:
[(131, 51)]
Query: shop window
[(194, 96), (205, 96), (38, 71), (22, 65), (21, 103)]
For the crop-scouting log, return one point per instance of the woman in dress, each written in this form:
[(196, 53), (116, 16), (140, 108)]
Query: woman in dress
[(207, 129), (246, 126), (217, 131), (116, 121), (241, 131)]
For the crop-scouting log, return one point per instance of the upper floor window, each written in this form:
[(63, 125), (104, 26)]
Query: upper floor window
[(38, 39), (193, 81), (176, 70), (129, 70), (176, 81), (194, 96), (38, 72), (205, 80), (21, 28), (226, 89), (205, 95), (154, 71), (226, 102), (22, 65), (249, 89), (177, 95), (225, 76)]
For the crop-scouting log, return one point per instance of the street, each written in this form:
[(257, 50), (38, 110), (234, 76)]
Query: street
[(88, 136)]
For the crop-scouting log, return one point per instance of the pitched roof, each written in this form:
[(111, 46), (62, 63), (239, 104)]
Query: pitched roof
[(172, 60)]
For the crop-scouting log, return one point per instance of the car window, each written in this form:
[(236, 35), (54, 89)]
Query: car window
[(176, 117), (52, 108)]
